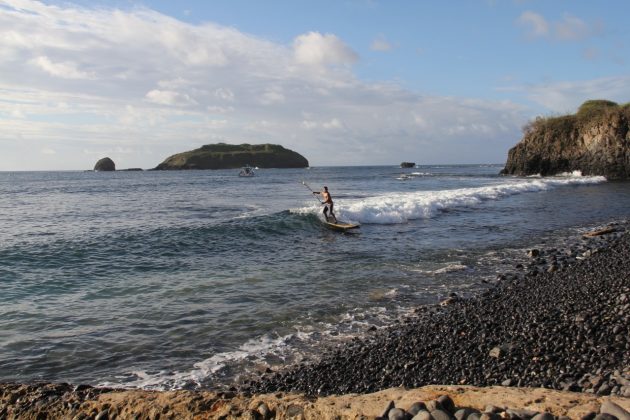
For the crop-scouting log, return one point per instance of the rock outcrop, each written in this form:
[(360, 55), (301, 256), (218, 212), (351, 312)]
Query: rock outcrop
[(595, 141), (63, 401), (230, 156), (105, 164), (407, 164)]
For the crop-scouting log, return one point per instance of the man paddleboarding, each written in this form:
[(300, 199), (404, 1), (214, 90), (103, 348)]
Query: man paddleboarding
[(328, 203)]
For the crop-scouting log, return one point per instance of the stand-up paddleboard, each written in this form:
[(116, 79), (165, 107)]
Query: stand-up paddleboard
[(341, 226), (337, 225)]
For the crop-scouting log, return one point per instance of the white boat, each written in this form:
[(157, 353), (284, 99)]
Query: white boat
[(246, 171)]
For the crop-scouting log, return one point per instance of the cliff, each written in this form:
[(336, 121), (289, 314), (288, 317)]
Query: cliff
[(229, 156), (595, 141)]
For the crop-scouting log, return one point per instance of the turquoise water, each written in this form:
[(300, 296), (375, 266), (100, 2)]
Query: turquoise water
[(198, 278)]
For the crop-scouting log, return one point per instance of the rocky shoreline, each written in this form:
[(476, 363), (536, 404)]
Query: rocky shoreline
[(561, 322), (63, 401), (551, 339)]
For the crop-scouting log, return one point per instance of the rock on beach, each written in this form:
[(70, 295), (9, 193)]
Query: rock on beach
[(64, 401)]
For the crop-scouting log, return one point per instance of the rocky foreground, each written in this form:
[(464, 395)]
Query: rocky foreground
[(551, 340), (62, 401)]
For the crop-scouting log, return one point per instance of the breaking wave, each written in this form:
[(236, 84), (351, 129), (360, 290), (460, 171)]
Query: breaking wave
[(396, 208)]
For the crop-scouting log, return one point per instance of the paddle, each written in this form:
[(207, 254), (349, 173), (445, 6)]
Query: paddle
[(316, 196)]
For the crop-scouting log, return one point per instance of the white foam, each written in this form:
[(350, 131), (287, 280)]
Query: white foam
[(448, 268), (395, 208), (255, 349)]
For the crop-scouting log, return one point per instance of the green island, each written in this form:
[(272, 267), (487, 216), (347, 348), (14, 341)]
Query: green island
[(230, 156)]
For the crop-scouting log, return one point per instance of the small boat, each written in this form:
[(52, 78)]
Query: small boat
[(246, 171)]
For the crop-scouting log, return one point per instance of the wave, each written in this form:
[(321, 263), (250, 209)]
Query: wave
[(206, 371), (395, 208)]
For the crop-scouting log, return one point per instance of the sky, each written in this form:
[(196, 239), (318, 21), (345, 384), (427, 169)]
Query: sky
[(342, 82)]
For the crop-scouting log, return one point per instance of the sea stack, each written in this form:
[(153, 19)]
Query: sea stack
[(595, 141), (105, 164)]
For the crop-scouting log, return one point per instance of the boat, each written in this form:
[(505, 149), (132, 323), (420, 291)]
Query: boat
[(246, 171)]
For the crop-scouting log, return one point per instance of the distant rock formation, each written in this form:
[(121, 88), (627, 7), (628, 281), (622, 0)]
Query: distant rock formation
[(408, 164), (230, 156), (595, 141), (105, 164)]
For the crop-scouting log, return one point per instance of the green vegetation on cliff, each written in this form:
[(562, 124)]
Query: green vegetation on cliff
[(595, 140), (592, 112), (230, 156)]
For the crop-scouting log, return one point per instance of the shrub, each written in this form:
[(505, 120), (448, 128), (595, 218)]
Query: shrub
[(595, 107)]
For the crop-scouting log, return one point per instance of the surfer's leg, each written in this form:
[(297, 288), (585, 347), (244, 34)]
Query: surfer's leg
[(331, 212), (326, 212)]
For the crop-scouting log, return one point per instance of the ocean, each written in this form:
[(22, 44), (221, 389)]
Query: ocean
[(200, 279)]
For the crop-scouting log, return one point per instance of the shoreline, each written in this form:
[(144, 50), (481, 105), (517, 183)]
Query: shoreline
[(557, 327), (562, 322)]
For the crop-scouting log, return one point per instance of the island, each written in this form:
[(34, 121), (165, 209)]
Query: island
[(230, 156), (595, 141), (408, 164)]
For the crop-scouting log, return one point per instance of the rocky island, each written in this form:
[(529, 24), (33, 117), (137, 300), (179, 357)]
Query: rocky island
[(105, 164), (595, 141), (230, 156)]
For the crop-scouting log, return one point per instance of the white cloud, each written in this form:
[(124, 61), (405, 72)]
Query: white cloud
[(566, 97), (272, 96), (333, 124), (572, 28), (316, 49), (169, 97), (569, 28), (535, 24), (143, 86), (381, 44), (225, 94), (67, 70)]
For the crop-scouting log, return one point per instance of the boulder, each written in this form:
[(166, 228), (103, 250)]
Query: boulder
[(594, 141), (105, 164)]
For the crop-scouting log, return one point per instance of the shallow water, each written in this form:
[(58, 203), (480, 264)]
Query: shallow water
[(196, 278)]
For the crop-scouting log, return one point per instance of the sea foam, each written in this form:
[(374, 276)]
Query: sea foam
[(394, 208)]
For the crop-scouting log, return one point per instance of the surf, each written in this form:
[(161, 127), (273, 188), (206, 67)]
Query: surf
[(402, 207)]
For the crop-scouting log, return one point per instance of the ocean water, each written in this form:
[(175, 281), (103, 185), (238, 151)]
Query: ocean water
[(189, 279)]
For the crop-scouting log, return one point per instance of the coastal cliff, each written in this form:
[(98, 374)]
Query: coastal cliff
[(595, 141), (229, 156)]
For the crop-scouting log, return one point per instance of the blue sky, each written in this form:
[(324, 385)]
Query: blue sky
[(347, 82)]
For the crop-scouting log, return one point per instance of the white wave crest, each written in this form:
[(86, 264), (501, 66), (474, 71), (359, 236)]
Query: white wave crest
[(402, 207)]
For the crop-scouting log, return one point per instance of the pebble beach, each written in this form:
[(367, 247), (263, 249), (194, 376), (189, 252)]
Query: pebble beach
[(560, 322), (556, 326)]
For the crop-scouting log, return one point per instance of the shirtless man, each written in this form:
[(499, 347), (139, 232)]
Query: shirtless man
[(328, 203)]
